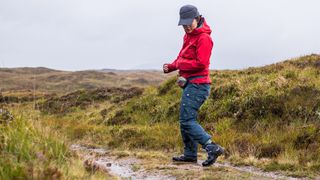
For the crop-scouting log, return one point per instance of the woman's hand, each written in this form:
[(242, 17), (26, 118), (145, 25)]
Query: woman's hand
[(165, 68)]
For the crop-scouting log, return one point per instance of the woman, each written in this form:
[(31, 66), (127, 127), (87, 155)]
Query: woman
[(193, 65)]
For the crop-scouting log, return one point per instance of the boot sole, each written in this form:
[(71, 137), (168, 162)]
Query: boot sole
[(184, 162)]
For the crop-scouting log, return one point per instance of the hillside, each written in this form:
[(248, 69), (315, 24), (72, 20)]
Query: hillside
[(267, 117), (54, 81)]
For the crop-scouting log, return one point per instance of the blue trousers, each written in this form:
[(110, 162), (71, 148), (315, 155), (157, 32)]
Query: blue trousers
[(192, 133)]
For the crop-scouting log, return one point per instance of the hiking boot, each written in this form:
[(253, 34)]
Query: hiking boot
[(185, 159), (214, 151)]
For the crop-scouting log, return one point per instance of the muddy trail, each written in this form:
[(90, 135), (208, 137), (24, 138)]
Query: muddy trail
[(127, 167)]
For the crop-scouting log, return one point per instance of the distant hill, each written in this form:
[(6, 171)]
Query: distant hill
[(50, 80)]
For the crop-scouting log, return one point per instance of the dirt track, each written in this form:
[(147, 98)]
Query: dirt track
[(129, 167)]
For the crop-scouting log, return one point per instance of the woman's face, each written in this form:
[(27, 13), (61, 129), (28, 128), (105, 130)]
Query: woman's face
[(190, 28)]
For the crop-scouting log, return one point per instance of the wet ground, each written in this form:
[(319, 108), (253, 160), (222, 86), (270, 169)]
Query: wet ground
[(128, 167)]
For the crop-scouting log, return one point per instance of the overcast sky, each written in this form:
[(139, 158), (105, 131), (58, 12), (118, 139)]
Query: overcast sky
[(143, 34)]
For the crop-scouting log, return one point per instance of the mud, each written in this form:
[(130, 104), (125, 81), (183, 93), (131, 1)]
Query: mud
[(126, 167), (122, 168)]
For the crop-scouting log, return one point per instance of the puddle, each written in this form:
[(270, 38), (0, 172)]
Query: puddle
[(122, 168)]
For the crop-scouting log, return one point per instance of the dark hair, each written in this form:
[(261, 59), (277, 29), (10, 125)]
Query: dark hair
[(198, 18)]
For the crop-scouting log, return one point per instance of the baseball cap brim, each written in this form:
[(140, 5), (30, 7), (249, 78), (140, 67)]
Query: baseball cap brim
[(185, 21)]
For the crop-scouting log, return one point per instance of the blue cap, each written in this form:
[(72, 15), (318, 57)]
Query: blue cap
[(187, 14)]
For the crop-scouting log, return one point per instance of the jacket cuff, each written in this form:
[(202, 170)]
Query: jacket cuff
[(171, 67)]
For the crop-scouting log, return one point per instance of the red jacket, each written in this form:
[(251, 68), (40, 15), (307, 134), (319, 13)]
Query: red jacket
[(194, 57)]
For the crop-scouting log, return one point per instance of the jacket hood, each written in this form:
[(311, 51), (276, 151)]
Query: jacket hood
[(204, 28)]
